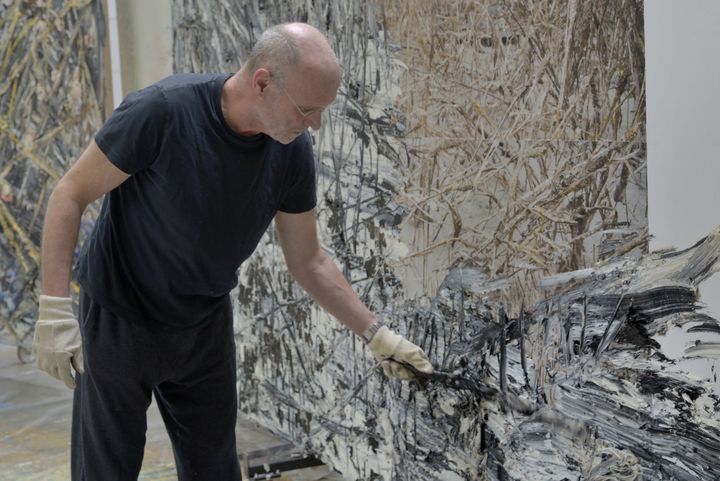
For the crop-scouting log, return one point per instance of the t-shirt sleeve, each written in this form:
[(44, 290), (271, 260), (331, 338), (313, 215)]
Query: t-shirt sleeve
[(132, 136), (300, 194)]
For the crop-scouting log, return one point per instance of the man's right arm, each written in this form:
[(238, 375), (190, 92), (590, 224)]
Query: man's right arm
[(89, 178), (57, 342)]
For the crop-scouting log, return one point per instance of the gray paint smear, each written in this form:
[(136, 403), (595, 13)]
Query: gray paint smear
[(606, 403)]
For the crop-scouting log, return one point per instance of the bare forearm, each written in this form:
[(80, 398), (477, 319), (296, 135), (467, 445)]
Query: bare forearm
[(59, 238), (89, 178), (324, 282)]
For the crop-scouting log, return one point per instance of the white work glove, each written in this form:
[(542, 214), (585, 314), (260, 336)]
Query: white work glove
[(391, 349), (57, 343)]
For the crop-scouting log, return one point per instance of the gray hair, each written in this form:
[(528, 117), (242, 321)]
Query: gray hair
[(276, 50)]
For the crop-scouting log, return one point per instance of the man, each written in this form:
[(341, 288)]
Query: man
[(195, 167)]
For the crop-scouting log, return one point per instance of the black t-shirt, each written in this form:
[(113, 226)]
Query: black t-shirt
[(169, 240)]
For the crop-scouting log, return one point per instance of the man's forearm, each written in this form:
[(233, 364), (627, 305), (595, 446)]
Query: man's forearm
[(59, 238), (324, 282)]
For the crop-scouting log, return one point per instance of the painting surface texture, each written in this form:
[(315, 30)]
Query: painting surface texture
[(51, 103), (482, 183)]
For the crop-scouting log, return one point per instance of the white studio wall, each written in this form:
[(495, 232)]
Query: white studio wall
[(683, 127)]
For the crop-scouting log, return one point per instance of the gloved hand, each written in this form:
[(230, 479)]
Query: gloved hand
[(57, 343), (387, 346)]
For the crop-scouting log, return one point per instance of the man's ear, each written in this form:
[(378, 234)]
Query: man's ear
[(261, 79)]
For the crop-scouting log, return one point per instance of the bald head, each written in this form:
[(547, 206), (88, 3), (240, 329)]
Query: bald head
[(289, 79), (293, 46)]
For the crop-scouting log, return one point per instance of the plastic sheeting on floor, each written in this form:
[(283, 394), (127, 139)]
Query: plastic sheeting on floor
[(35, 414)]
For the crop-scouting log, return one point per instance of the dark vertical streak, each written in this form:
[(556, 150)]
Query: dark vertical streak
[(584, 323), (604, 339), (523, 359), (503, 349), (566, 325)]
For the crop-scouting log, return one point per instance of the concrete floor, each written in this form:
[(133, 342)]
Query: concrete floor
[(35, 412)]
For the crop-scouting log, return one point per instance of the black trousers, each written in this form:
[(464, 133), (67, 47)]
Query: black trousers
[(190, 371)]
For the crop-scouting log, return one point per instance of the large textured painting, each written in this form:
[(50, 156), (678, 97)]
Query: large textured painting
[(51, 103), (482, 185)]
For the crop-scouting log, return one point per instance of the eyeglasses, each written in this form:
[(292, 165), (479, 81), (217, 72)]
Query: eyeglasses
[(305, 113)]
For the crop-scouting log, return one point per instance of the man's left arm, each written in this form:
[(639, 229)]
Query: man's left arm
[(318, 275)]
